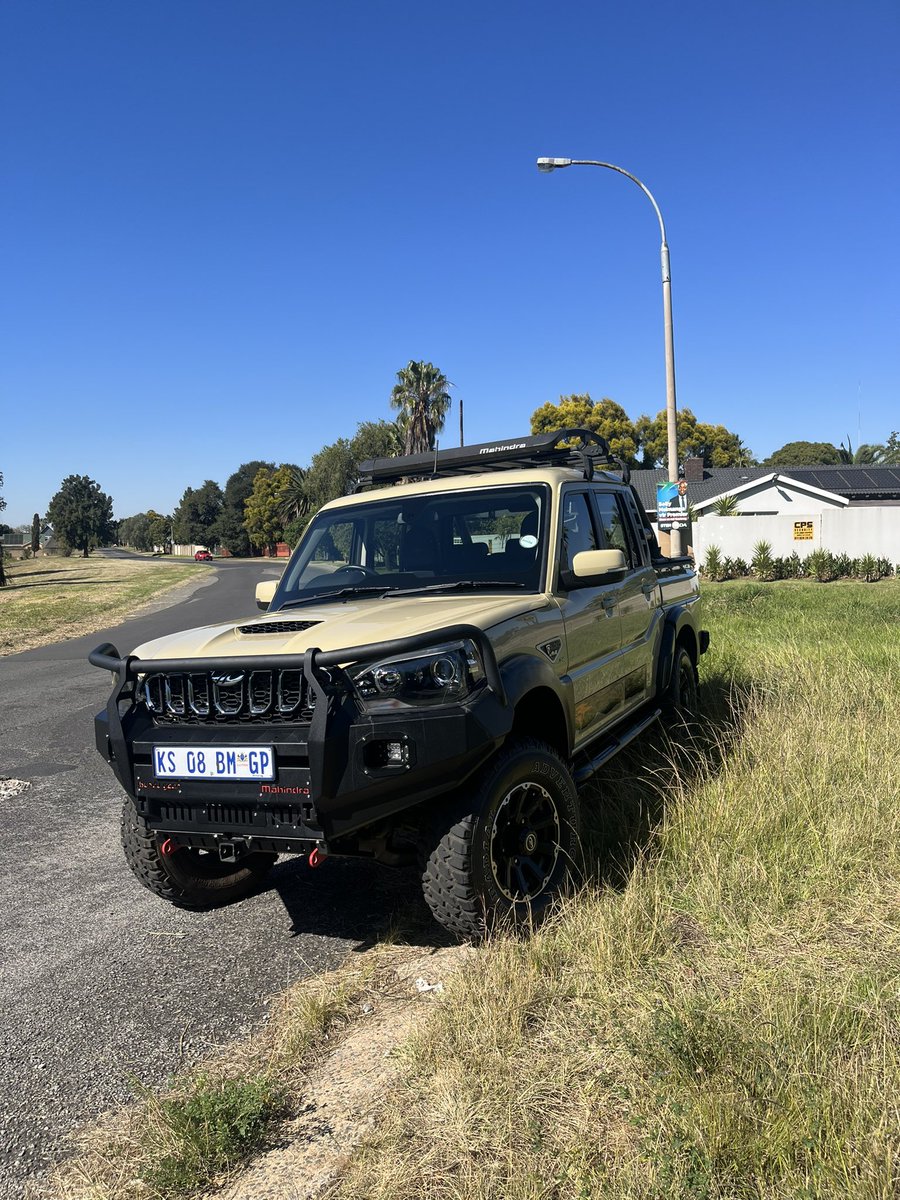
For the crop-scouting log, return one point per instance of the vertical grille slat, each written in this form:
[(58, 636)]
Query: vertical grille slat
[(201, 697)]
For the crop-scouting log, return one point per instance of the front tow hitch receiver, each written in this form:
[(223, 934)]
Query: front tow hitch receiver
[(233, 850)]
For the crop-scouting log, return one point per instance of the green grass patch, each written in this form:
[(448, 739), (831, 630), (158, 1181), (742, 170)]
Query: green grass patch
[(716, 1015), (49, 599), (204, 1130)]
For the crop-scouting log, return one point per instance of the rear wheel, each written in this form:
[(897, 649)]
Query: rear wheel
[(187, 877), (681, 700), (507, 845)]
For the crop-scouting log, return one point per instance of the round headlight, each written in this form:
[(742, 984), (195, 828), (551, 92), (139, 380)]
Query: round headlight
[(443, 671)]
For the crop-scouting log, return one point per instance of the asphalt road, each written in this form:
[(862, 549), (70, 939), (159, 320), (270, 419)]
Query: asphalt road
[(101, 983)]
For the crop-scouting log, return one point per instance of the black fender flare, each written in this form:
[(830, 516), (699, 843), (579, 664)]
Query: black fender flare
[(678, 626), (523, 673)]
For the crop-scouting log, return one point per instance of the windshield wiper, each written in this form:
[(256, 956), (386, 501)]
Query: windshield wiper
[(460, 585), (334, 595)]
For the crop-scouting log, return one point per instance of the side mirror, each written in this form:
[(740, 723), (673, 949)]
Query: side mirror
[(265, 593), (608, 566)]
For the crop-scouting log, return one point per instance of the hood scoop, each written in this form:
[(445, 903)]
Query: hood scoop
[(278, 627)]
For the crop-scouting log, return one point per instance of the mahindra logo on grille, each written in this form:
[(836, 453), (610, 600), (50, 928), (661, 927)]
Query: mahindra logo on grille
[(227, 680)]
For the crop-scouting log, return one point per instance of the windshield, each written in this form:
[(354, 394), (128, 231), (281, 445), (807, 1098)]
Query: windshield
[(486, 538)]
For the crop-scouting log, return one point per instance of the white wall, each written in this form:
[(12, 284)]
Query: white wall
[(855, 531)]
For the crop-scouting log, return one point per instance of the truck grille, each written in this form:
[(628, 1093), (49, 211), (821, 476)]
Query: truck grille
[(200, 697)]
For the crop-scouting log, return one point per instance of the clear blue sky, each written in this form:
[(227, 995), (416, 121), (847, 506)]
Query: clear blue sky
[(226, 225)]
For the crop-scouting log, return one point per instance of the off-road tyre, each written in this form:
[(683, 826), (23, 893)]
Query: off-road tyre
[(680, 701), (187, 878), (473, 854)]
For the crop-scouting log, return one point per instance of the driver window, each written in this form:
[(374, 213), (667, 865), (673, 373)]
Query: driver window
[(577, 529), (612, 526)]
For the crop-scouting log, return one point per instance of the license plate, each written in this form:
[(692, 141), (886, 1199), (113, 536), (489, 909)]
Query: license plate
[(210, 762)]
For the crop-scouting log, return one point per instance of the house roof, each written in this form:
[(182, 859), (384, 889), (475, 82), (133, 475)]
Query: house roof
[(853, 483)]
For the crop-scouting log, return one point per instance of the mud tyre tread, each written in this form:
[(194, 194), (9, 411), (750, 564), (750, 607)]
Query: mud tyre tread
[(454, 885), (178, 883)]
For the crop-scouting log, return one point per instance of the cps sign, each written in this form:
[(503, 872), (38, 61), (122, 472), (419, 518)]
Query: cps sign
[(803, 531)]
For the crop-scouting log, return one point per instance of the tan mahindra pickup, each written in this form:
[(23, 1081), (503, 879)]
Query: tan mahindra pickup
[(441, 665)]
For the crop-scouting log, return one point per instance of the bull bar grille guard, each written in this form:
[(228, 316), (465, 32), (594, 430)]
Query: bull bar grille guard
[(330, 690)]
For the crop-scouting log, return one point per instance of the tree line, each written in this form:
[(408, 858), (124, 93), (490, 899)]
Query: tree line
[(264, 503)]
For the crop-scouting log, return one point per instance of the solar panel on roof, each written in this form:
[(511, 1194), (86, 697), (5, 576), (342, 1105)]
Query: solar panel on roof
[(829, 481)]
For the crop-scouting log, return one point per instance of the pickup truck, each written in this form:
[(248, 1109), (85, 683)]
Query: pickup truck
[(450, 652)]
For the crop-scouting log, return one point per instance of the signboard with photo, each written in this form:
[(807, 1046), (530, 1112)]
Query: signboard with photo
[(672, 506)]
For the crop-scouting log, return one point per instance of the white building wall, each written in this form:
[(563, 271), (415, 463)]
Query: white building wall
[(854, 531)]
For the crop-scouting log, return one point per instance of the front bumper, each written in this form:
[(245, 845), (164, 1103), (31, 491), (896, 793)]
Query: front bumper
[(332, 775)]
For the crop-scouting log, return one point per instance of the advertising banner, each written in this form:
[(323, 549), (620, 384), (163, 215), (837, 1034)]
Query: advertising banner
[(672, 505)]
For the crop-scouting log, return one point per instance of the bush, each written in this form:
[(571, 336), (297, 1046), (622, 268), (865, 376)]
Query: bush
[(735, 568), (762, 563), (820, 564), (843, 566), (885, 570), (867, 569), (713, 567)]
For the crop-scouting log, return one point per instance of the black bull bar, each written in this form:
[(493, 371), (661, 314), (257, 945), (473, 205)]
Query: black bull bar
[(331, 691)]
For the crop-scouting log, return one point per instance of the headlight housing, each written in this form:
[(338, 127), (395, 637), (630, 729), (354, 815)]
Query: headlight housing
[(444, 675)]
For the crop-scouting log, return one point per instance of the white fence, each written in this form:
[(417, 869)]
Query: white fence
[(856, 530)]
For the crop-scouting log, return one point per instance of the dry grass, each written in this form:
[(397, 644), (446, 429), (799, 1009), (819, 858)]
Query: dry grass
[(209, 1121), (721, 1021), (49, 599)]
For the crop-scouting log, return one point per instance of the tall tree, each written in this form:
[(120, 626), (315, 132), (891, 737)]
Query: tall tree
[(197, 516), (604, 416), (262, 512), (159, 528), (421, 394), (716, 445), (805, 454), (135, 532), (35, 533), (230, 531), (81, 514)]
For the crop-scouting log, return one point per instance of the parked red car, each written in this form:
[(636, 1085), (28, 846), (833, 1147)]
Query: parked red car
[(203, 556)]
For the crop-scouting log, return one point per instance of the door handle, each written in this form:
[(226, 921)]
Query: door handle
[(609, 603)]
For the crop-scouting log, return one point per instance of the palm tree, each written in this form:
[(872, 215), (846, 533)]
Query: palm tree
[(422, 397), (295, 497)]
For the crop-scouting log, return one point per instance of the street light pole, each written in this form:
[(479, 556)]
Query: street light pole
[(554, 164)]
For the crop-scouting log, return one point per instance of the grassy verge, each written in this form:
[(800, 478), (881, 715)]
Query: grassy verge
[(176, 1143), (49, 599), (721, 1020)]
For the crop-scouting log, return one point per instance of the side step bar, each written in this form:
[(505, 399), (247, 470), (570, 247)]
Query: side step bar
[(613, 745)]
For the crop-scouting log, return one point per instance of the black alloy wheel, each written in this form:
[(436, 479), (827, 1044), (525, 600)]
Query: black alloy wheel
[(506, 845), (525, 842)]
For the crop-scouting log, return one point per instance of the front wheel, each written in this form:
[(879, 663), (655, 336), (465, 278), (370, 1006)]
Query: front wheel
[(507, 845), (186, 877)]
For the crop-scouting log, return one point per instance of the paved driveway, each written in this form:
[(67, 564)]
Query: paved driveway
[(99, 980)]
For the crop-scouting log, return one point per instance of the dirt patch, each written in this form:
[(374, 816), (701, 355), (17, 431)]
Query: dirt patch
[(341, 1093)]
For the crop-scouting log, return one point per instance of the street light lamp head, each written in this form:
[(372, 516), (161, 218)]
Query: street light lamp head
[(551, 164)]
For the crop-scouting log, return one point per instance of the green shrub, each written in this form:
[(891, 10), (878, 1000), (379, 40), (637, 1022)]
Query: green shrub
[(762, 564), (712, 566), (867, 569), (820, 565), (210, 1127), (843, 566), (735, 568)]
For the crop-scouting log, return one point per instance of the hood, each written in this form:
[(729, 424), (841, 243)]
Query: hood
[(336, 624)]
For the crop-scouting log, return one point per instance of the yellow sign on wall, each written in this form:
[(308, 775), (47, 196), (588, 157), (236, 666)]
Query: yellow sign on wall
[(803, 531)]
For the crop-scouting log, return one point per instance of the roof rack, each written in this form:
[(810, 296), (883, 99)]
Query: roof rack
[(539, 450)]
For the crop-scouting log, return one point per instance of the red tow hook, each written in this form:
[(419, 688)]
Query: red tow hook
[(168, 847), (317, 858)]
